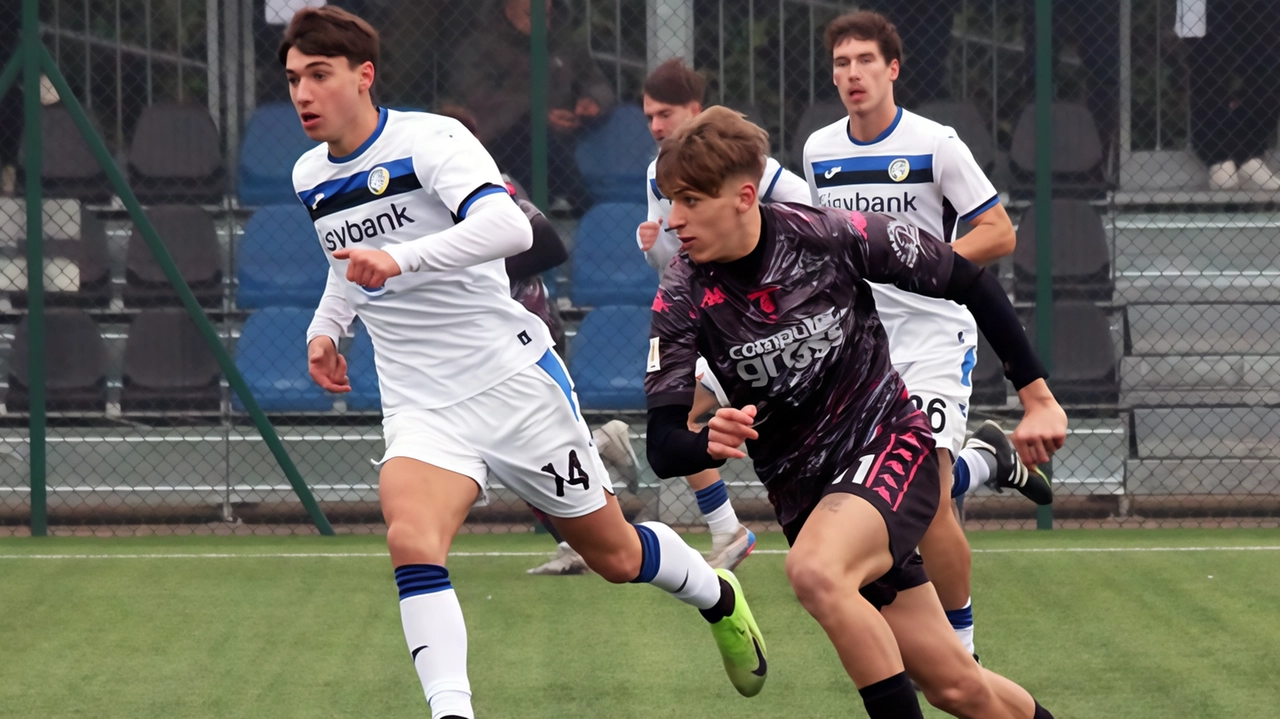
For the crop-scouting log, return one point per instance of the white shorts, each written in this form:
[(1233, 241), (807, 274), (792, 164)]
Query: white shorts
[(702, 371), (940, 387), (527, 433)]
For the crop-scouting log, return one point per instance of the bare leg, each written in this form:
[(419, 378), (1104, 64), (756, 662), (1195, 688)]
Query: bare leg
[(950, 678), (944, 548), (424, 507)]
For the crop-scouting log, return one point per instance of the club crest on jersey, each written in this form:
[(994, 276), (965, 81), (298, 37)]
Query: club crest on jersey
[(905, 240), (899, 169), (379, 180)]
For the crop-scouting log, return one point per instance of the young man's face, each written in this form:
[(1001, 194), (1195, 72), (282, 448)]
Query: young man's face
[(665, 118), (326, 92), (711, 228), (862, 77)]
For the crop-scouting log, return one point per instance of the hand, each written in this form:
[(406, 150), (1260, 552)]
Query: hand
[(648, 234), (328, 368), (729, 429), (1043, 428), (563, 120), (586, 108), (368, 268)]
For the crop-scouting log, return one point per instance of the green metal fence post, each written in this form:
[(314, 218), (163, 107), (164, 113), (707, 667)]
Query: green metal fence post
[(189, 302), (34, 169), (538, 97), (1044, 203)]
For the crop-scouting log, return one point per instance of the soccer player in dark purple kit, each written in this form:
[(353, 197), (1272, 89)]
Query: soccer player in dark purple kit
[(775, 297)]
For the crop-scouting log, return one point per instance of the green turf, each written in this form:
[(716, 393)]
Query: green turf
[(1128, 634)]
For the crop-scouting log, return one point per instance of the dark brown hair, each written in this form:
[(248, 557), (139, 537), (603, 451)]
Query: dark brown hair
[(332, 32), (865, 25), (717, 144), (675, 83)]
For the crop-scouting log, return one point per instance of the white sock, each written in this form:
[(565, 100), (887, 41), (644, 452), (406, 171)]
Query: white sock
[(673, 566), (980, 463), (716, 509), (962, 622), (437, 637)]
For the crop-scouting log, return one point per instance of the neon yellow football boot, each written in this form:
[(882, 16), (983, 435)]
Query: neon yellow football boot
[(740, 642)]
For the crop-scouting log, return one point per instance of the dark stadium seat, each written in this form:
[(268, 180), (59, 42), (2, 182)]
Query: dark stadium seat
[(1081, 258), (614, 155), (1078, 166), (608, 267), (606, 358), (168, 367), (176, 156), (189, 235), (273, 141), (75, 364), (271, 354), (77, 271), (69, 168), (815, 117), (364, 395), (972, 130), (989, 386), (279, 261), (1084, 368)]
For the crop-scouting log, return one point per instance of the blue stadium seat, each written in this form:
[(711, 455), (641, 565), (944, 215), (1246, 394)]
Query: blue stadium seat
[(271, 356), (279, 261), (614, 155), (608, 267), (273, 141), (607, 358), (364, 395)]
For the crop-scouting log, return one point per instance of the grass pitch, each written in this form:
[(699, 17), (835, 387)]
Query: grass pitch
[(132, 630)]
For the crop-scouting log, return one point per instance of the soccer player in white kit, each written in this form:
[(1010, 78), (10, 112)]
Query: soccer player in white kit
[(884, 159), (411, 213), (673, 95)]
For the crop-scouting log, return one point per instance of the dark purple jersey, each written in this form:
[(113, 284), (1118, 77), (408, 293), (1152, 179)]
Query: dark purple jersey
[(792, 328)]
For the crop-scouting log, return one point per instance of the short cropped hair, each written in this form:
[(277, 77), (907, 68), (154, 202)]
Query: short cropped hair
[(332, 32), (675, 83), (717, 144), (865, 25)]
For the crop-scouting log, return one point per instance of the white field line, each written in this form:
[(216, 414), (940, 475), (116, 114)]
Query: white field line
[(349, 555)]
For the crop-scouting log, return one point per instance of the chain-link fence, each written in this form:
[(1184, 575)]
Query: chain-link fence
[(1161, 228)]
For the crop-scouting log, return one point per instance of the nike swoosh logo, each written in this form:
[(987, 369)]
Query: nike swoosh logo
[(414, 654), (764, 664), (832, 172), (686, 581)]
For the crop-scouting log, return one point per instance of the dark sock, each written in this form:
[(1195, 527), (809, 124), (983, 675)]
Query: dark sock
[(1041, 712), (722, 608), (892, 698)]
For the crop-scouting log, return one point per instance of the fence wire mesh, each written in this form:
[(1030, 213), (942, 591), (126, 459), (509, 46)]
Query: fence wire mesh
[(1164, 244)]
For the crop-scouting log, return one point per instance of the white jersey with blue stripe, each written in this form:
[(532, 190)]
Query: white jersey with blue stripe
[(777, 184), (920, 172), (439, 337)]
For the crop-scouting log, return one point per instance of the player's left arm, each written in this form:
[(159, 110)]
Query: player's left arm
[(783, 185), (971, 193), (453, 165)]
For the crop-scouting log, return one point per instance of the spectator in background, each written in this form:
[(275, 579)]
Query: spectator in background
[(1234, 63), (491, 79)]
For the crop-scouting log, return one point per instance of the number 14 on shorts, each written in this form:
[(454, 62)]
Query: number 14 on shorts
[(576, 475)]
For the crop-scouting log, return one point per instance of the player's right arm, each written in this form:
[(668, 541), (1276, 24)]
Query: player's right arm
[(672, 449), (331, 321)]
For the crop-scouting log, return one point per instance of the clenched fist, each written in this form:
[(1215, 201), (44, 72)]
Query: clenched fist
[(648, 234)]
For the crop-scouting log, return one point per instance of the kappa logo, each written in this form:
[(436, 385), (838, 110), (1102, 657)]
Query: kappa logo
[(379, 180), (832, 172), (712, 296), (899, 169)]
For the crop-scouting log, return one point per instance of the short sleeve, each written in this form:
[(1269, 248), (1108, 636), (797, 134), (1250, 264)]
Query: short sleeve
[(961, 179), (889, 251), (451, 163), (673, 336)]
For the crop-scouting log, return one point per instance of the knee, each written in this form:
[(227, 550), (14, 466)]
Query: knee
[(966, 694), (812, 581), (411, 544), (616, 567)]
